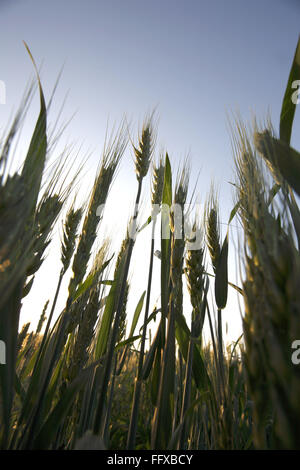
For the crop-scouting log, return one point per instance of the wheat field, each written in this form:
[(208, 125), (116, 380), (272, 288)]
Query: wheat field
[(89, 378)]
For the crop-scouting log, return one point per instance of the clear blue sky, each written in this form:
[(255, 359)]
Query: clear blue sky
[(194, 60)]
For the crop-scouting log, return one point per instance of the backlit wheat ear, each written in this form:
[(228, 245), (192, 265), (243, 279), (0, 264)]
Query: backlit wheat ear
[(22, 335), (67, 251), (143, 153), (122, 253), (85, 313), (123, 315), (182, 184), (271, 319), (73, 219), (158, 182), (195, 280), (195, 273), (45, 218), (212, 229), (254, 322), (89, 313), (43, 318)]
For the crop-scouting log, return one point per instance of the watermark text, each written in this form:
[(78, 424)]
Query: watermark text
[(295, 95), (296, 354), (2, 92), (2, 352), (180, 227)]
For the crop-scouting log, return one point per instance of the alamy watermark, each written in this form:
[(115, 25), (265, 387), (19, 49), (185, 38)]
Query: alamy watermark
[(2, 352), (2, 92), (296, 354), (295, 95), (181, 226)]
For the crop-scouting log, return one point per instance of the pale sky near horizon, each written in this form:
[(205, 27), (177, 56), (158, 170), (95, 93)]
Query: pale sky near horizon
[(196, 61)]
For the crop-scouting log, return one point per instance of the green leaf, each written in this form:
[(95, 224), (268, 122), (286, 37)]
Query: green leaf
[(32, 173), (29, 367), (85, 285), (19, 388), (288, 106), (221, 280), (107, 317), (183, 336), (9, 321), (137, 313), (35, 160), (272, 193), (163, 416), (151, 317), (54, 385), (149, 359), (235, 345), (46, 434), (128, 341), (156, 371), (106, 322), (148, 221), (233, 212), (27, 287), (131, 338)]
